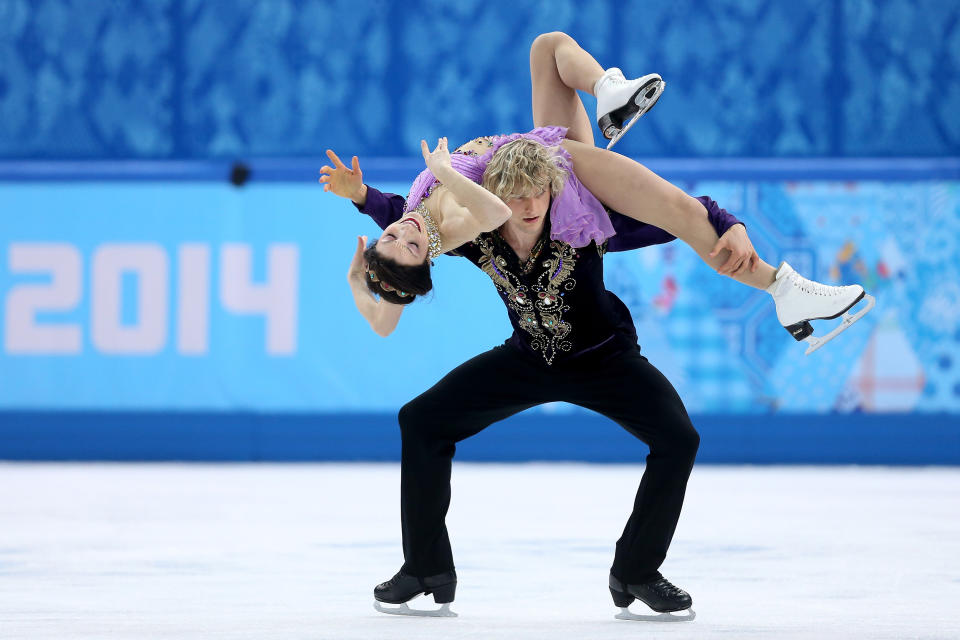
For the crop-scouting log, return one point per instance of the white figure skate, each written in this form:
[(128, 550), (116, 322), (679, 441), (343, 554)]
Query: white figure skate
[(619, 99), (799, 301)]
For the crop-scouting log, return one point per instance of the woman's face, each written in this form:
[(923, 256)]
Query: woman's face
[(529, 212), (405, 241)]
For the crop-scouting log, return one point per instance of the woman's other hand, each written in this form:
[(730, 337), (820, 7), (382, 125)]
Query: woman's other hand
[(437, 160), (343, 181), (356, 275), (742, 254), (382, 315)]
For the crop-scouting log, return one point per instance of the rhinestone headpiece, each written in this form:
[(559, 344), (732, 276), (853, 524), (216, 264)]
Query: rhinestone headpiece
[(383, 285)]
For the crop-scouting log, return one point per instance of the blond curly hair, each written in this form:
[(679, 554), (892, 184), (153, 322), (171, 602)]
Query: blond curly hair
[(523, 168)]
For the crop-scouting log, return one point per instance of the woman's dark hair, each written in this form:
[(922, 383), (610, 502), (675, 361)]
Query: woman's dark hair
[(389, 279)]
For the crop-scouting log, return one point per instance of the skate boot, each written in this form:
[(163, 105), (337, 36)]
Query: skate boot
[(800, 300), (658, 594), (403, 587), (619, 99)]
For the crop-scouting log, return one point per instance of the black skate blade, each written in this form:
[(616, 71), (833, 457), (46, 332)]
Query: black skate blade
[(686, 615)]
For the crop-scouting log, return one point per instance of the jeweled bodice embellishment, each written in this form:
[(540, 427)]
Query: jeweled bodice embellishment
[(434, 242), (540, 307)]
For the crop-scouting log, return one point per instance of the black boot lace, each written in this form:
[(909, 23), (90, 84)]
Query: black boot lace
[(392, 582), (667, 589)]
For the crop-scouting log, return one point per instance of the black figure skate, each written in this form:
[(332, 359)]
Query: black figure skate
[(660, 595), (403, 587)]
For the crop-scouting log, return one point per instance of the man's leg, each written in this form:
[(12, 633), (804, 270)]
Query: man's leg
[(481, 391), (637, 396)]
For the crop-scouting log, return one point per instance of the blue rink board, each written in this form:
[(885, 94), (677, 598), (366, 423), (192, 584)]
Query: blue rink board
[(890, 439)]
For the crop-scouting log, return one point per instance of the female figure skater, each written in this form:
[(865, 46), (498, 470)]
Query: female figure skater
[(573, 341), (443, 220)]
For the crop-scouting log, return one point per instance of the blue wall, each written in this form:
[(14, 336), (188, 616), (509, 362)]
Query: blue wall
[(228, 78), (148, 310)]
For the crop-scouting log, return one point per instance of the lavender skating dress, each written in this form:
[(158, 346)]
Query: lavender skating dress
[(576, 216)]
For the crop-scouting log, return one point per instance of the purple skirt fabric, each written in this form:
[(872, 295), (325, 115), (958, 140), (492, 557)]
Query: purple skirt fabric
[(576, 216)]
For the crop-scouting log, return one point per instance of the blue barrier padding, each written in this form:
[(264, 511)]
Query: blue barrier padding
[(889, 439), (375, 170)]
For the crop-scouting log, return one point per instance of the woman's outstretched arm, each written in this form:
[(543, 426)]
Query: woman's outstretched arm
[(382, 316), (347, 182)]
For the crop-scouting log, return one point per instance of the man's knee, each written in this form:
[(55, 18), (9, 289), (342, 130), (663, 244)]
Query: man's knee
[(419, 418), (691, 442), (682, 441), (411, 416)]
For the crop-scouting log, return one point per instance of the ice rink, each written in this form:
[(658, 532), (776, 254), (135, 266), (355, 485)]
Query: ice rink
[(274, 551)]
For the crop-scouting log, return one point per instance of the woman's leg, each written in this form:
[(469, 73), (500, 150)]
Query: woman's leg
[(481, 391), (558, 67), (630, 188)]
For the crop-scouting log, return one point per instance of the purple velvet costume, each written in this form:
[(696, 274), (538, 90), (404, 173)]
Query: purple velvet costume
[(576, 216)]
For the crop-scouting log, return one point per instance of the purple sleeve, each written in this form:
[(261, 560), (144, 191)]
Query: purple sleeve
[(384, 208), (633, 234)]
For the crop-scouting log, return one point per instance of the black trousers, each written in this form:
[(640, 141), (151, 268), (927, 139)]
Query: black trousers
[(501, 382)]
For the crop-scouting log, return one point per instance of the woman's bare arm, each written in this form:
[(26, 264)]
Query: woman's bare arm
[(382, 315), (473, 209)]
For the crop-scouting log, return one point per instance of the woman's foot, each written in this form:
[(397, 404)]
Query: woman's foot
[(800, 300), (619, 99)]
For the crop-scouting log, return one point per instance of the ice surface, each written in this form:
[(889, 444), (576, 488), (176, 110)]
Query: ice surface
[(274, 551)]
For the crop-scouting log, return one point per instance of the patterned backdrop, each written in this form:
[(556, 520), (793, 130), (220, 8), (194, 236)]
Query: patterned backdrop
[(720, 342), (225, 78)]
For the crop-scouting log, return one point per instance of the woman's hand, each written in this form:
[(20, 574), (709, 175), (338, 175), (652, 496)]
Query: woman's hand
[(344, 182), (356, 275), (382, 316), (437, 160), (742, 254)]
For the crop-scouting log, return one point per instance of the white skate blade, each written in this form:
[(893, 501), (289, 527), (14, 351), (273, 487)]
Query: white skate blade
[(848, 319), (645, 105), (687, 615), (404, 610)]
